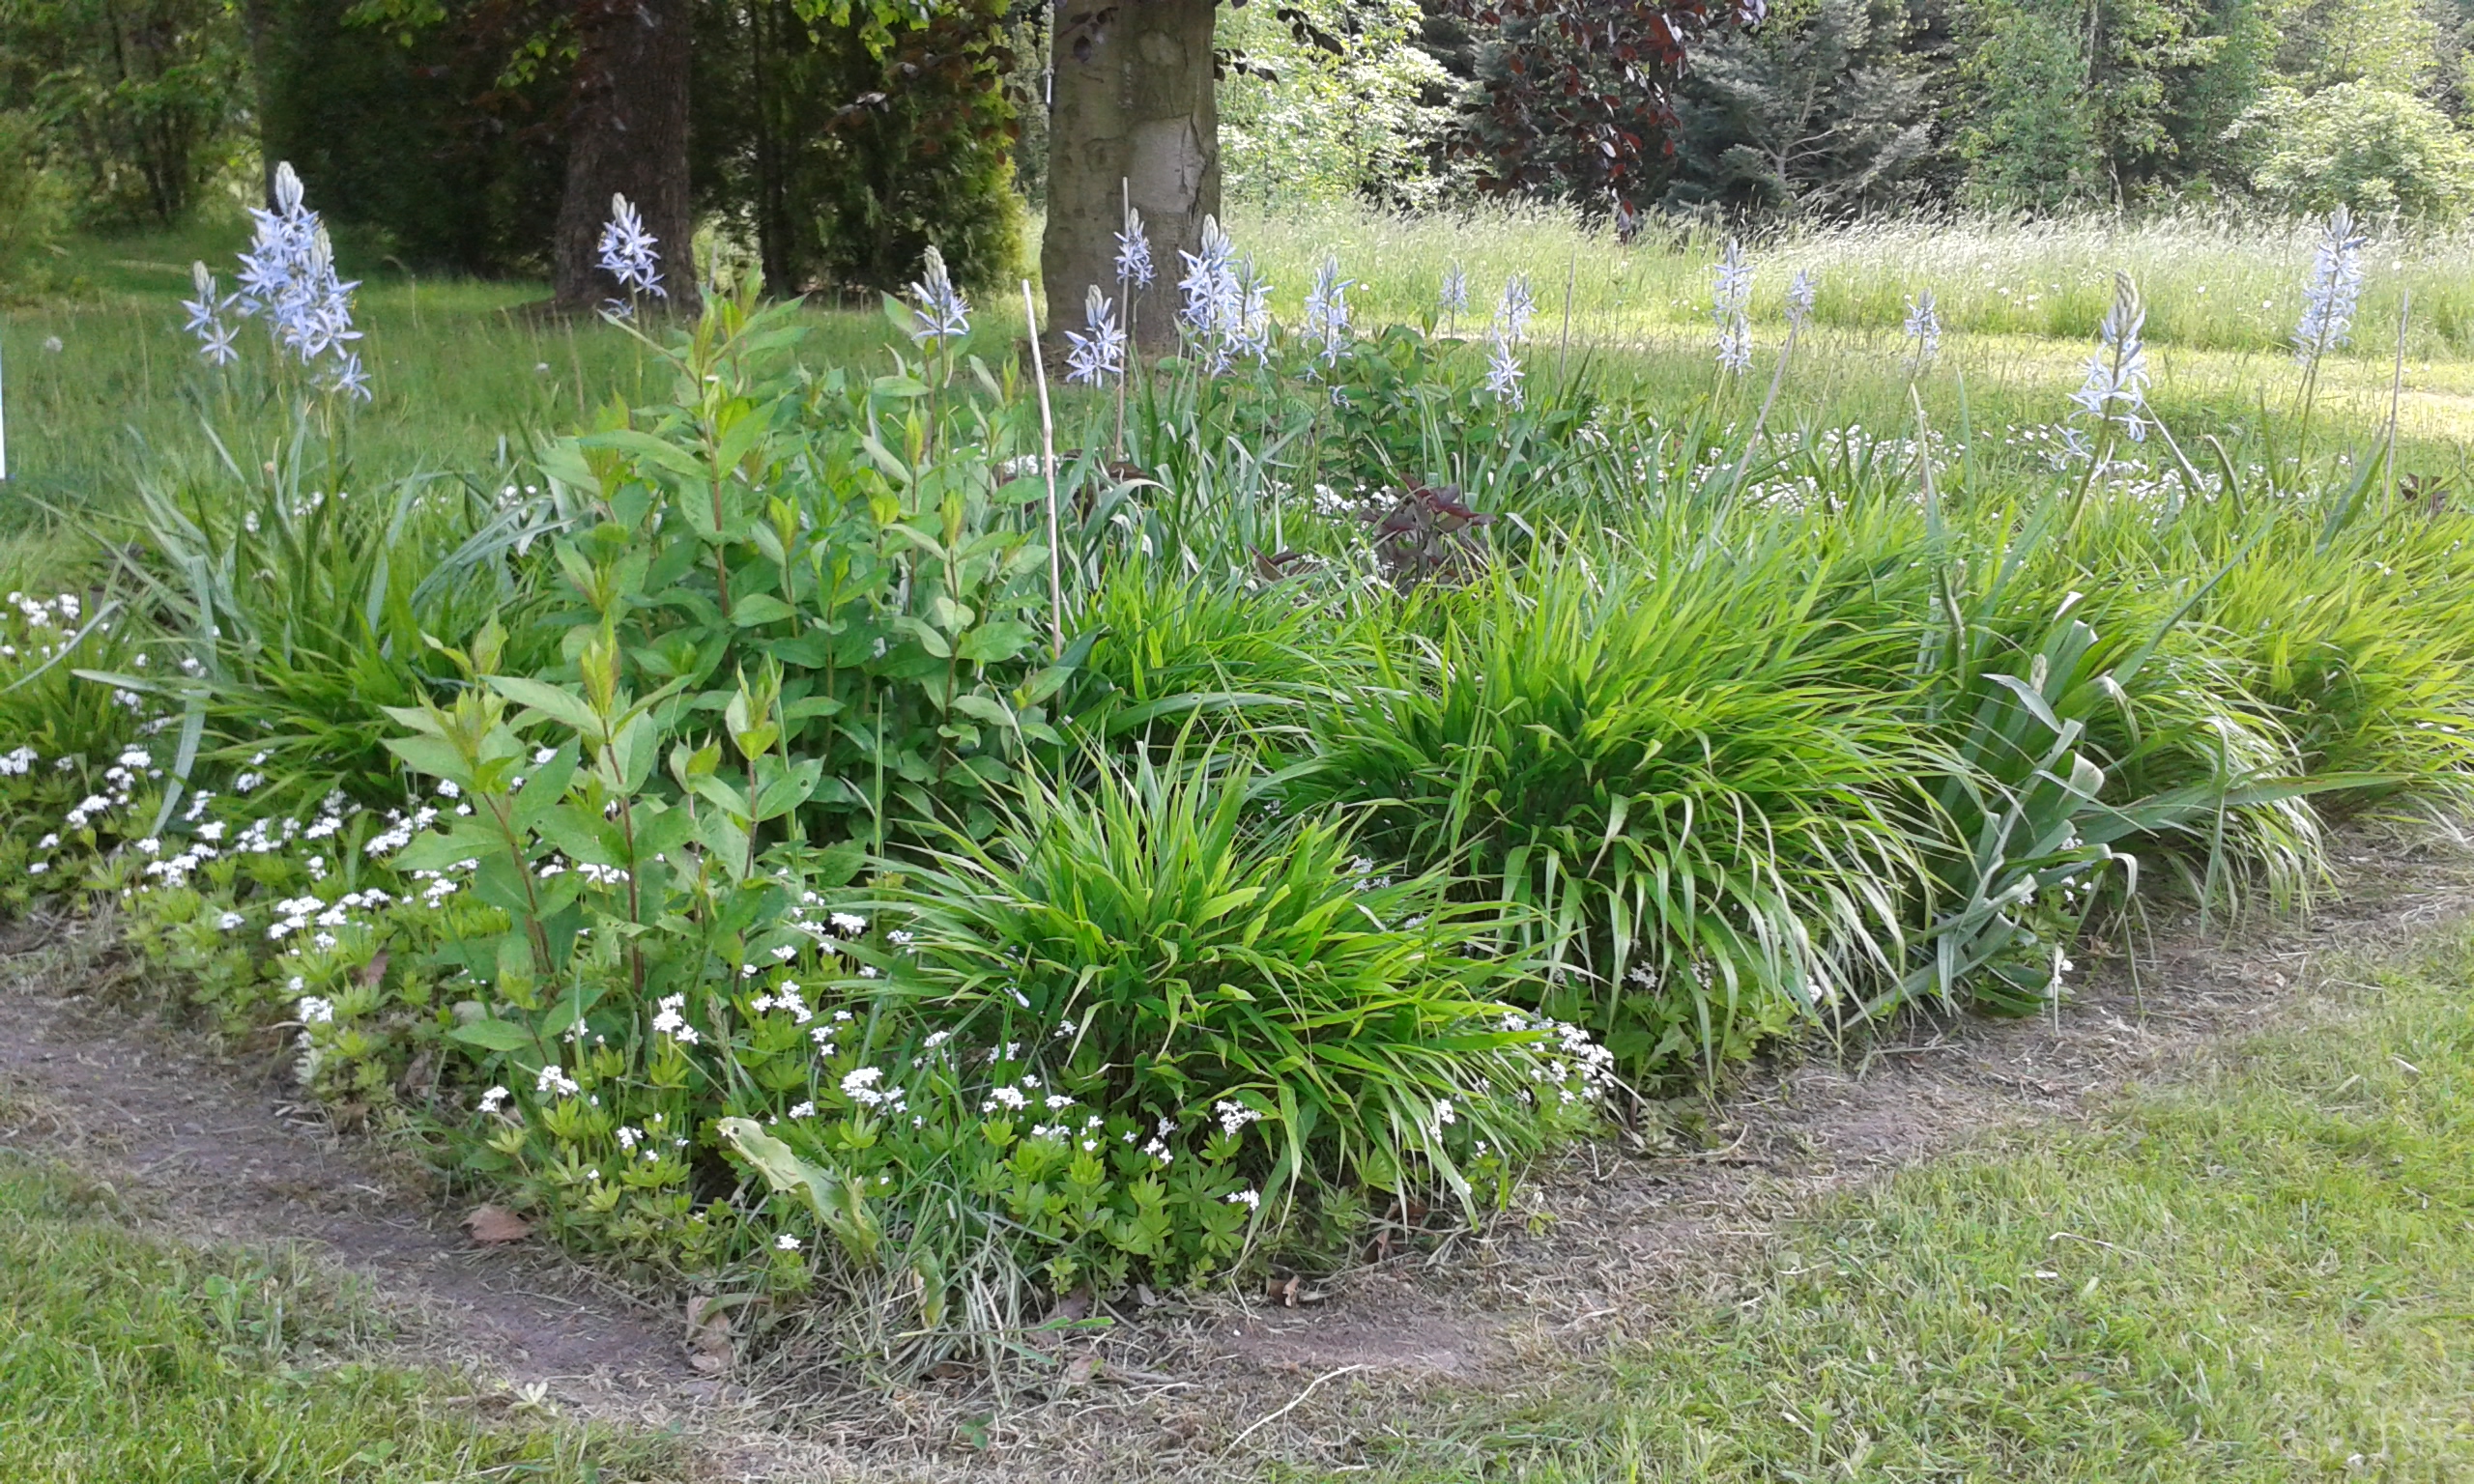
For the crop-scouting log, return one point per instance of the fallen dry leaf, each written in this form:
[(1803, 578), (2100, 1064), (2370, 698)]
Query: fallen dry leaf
[(491, 1226), (1073, 1307), (1283, 1291), (709, 1334)]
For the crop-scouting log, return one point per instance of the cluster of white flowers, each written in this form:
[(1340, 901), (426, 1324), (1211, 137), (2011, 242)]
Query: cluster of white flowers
[(861, 1086), (18, 763), (46, 622), (786, 996), (401, 827), (554, 1081), (1234, 1115), (671, 1021), (1572, 1061)]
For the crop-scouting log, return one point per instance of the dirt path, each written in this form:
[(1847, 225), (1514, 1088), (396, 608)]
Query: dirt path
[(207, 1153), (1596, 1251), (1599, 1249)]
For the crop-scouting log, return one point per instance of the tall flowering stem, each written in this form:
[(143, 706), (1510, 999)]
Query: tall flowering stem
[(1454, 298), (2329, 300), (1134, 272), (1923, 331), (941, 321), (1801, 292), (626, 253), (2116, 391), (1226, 308), (1327, 311), (1512, 314), (288, 278), (1730, 306)]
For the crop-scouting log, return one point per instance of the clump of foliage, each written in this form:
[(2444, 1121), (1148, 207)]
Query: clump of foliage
[(2358, 146)]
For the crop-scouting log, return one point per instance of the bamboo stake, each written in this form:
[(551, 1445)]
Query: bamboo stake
[(1047, 466), (2397, 390), (1571, 271)]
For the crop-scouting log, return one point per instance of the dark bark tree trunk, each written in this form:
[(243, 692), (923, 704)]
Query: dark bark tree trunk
[(1135, 110), (627, 135)]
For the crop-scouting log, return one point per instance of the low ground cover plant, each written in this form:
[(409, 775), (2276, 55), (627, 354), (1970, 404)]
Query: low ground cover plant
[(799, 835)]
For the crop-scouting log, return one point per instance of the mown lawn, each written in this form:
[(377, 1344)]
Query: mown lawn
[(2265, 1274), (124, 1359)]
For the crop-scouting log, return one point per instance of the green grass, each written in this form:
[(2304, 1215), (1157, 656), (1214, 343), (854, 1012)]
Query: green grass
[(2265, 1274), (2228, 281), (463, 380), (129, 1359)]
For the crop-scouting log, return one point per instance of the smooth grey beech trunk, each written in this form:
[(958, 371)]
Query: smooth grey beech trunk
[(1133, 112), (628, 136)]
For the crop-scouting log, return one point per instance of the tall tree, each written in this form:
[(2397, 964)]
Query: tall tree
[(627, 135), (1821, 111), (1133, 115), (1574, 94)]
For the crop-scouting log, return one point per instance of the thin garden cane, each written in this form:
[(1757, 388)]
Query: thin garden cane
[(1047, 468), (2397, 390)]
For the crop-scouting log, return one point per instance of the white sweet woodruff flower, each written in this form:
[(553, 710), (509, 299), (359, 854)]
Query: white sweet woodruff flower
[(314, 1010), (553, 1080), (494, 1099), (787, 1243), (1252, 1200), (849, 924), (671, 1021), (1234, 1115)]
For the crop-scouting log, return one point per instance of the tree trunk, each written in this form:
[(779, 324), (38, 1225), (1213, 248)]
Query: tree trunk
[(627, 135), (1135, 110)]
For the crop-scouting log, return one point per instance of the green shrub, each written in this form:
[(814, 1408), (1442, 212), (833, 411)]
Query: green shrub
[(2359, 145), (32, 215), (1657, 757)]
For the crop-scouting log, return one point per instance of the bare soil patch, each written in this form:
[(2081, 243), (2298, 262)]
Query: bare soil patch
[(206, 1149), (1220, 1386)]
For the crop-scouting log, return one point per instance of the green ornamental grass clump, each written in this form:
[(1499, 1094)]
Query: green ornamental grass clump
[(1717, 837)]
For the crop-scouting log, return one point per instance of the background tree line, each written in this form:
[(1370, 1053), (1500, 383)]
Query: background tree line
[(837, 138)]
